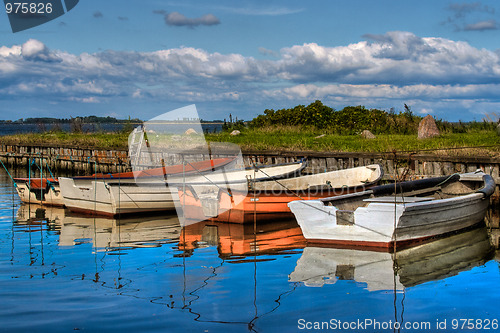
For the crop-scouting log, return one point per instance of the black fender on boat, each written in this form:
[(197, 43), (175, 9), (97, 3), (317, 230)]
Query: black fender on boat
[(414, 185), (489, 186)]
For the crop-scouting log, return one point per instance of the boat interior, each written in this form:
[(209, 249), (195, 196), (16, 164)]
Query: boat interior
[(413, 191)]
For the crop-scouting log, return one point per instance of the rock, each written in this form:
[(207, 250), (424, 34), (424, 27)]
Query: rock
[(367, 134), (190, 131), (235, 132), (427, 128)]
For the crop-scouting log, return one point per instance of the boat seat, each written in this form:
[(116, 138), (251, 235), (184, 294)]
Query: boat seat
[(398, 199)]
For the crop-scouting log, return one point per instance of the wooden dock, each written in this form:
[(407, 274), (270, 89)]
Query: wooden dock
[(82, 160)]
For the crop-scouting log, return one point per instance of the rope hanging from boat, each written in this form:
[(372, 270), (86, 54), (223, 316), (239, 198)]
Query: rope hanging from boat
[(395, 265)]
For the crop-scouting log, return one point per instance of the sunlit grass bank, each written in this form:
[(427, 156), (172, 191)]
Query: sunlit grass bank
[(286, 138)]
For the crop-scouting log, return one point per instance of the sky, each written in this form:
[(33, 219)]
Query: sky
[(141, 58)]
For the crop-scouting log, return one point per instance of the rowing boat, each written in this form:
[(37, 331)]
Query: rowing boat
[(267, 200), (403, 214)]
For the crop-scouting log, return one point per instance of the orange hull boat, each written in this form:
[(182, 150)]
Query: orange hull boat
[(268, 200), (254, 206)]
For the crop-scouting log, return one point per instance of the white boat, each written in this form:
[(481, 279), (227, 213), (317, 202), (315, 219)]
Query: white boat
[(114, 196), (376, 271), (39, 191), (379, 217)]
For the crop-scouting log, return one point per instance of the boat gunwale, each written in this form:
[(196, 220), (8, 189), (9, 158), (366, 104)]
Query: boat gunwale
[(486, 190)]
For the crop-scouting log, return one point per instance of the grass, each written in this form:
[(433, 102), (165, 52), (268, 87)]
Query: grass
[(84, 140), (286, 138), (290, 138)]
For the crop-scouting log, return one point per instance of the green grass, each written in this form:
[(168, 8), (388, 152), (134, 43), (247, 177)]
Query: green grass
[(83, 140), (290, 138), (286, 138)]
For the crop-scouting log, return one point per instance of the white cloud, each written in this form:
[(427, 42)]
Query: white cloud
[(37, 51), (382, 70)]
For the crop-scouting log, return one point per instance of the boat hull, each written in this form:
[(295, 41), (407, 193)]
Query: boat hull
[(35, 191), (268, 200), (388, 225), (99, 197)]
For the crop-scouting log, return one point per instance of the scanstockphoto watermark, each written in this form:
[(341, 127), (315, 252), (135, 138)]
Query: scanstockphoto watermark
[(367, 324), (371, 324)]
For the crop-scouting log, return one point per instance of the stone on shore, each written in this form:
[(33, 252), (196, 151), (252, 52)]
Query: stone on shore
[(366, 134), (427, 128), (235, 132)]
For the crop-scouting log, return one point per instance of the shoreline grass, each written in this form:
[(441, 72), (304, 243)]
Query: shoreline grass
[(111, 140), (286, 138), (445, 144)]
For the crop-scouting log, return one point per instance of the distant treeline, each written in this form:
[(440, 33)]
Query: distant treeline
[(354, 119), (86, 119)]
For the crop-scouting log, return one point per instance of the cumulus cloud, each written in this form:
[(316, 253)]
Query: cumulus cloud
[(36, 50), (383, 70), (178, 19)]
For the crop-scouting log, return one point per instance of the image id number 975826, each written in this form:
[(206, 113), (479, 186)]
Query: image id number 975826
[(28, 8), (474, 324)]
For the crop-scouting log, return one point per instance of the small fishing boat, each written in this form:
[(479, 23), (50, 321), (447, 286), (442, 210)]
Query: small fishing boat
[(39, 191), (46, 191), (115, 195), (267, 200), (375, 271), (399, 214)]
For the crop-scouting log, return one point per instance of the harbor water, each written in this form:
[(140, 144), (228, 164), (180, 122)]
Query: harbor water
[(61, 272)]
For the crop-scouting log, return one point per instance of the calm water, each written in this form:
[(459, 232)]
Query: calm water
[(62, 272), (13, 128)]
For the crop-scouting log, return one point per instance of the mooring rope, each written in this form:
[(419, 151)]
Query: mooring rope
[(8, 173)]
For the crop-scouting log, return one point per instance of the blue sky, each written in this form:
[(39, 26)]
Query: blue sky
[(143, 58)]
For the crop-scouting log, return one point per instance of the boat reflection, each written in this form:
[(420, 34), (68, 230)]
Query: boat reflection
[(237, 241), (385, 271), (149, 231)]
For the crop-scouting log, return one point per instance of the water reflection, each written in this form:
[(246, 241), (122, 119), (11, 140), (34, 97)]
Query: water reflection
[(102, 233), (238, 241), (385, 271), (219, 276)]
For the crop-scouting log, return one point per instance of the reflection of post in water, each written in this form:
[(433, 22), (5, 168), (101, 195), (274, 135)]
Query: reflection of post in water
[(34, 220), (242, 245)]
